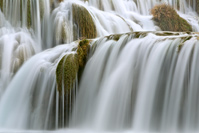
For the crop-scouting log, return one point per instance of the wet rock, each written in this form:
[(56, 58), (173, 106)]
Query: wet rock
[(168, 19)]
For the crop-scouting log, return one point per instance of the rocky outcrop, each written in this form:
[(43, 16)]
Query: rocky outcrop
[(168, 19), (1, 5), (68, 71), (69, 65), (84, 25), (76, 23)]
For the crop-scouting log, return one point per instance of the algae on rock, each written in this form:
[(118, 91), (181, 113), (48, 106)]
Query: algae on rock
[(1, 5), (84, 25), (82, 51), (29, 21), (66, 72), (68, 67), (77, 23), (168, 20)]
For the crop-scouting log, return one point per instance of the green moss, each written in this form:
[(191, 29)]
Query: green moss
[(1, 5), (82, 51), (140, 34), (115, 37), (184, 39), (66, 75), (168, 19), (66, 72), (180, 47), (29, 20), (169, 33), (84, 26), (68, 67), (21, 9)]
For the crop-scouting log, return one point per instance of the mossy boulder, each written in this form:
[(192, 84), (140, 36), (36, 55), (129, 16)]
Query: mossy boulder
[(69, 66), (66, 72), (80, 23), (82, 51), (84, 25), (1, 5), (29, 19), (168, 20)]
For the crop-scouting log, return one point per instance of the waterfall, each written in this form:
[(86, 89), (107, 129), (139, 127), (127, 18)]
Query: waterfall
[(27, 13), (129, 77), (16, 48), (140, 84), (36, 96), (142, 7)]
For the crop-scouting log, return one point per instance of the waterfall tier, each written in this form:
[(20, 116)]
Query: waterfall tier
[(98, 66)]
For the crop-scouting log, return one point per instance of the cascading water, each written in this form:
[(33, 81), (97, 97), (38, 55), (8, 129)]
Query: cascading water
[(140, 84), (140, 79), (36, 96), (16, 46), (27, 14)]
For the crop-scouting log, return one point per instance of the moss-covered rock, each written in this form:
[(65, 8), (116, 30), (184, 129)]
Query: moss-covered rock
[(68, 67), (29, 20), (183, 40), (84, 25), (77, 25), (1, 5), (66, 72), (115, 37), (82, 51), (168, 19)]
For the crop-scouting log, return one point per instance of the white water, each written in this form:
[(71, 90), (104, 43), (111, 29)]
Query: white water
[(130, 85), (34, 88), (16, 46), (139, 85)]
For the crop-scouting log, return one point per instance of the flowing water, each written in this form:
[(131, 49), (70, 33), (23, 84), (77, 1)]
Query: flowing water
[(140, 80)]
